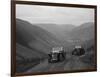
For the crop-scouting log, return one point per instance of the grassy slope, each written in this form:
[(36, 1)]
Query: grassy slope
[(25, 58), (83, 32)]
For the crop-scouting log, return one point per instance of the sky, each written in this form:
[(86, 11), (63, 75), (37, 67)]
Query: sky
[(54, 15)]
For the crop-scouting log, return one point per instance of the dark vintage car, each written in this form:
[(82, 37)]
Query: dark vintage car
[(78, 51), (56, 55)]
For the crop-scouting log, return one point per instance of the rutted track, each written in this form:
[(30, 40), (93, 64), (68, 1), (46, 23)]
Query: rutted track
[(45, 66), (69, 64)]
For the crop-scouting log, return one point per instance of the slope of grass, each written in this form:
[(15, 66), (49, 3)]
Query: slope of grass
[(26, 58)]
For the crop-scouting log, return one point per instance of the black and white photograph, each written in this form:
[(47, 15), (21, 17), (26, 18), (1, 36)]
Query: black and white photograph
[(54, 38)]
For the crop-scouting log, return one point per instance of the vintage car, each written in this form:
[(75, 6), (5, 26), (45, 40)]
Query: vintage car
[(56, 55), (78, 51)]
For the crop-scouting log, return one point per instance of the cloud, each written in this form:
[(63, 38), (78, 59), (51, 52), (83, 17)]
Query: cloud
[(56, 15)]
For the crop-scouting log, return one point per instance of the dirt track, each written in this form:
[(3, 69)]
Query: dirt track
[(71, 63)]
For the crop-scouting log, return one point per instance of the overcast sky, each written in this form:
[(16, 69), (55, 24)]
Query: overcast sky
[(54, 15)]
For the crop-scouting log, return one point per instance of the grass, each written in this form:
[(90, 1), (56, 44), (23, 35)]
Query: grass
[(24, 65)]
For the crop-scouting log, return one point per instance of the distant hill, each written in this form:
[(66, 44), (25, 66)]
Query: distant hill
[(82, 35), (83, 32), (60, 31)]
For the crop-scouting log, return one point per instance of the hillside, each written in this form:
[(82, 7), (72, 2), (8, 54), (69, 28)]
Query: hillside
[(59, 30), (83, 32), (35, 38), (32, 45), (26, 53)]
